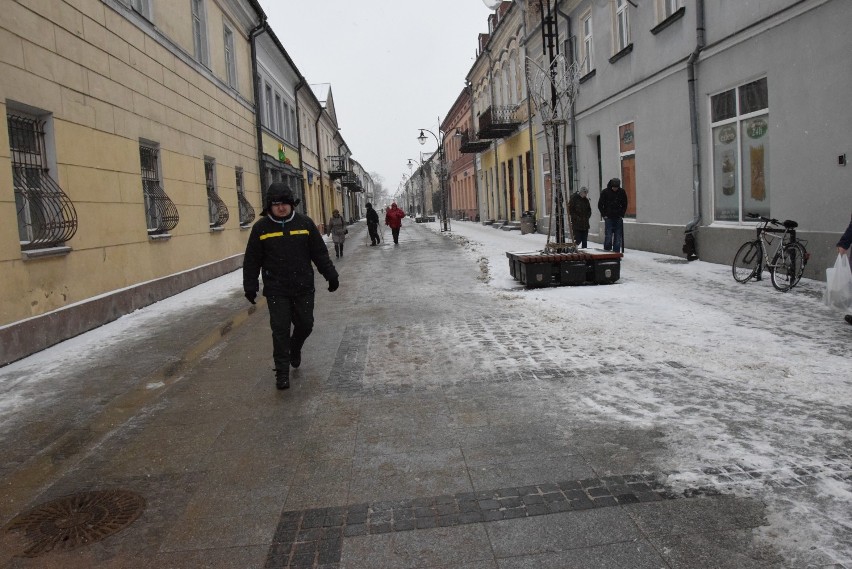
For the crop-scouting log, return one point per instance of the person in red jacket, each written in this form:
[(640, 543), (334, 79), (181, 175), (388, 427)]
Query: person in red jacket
[(393, 219)]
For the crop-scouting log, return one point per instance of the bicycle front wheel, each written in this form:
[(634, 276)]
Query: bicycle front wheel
[(747, 261), (787, 267)]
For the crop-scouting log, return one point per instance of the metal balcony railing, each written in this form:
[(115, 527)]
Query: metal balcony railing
[(337, 166), (472, 145), (498, 122), (247, 214)]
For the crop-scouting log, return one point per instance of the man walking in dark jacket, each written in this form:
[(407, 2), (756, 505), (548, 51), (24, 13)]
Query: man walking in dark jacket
[(613, 205), (372, 224), (282, 245)]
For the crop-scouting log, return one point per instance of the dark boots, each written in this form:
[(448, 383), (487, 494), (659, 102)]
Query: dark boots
[(282, 378)]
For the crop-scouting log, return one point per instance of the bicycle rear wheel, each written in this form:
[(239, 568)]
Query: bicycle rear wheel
[(747, 261), (787, 267)]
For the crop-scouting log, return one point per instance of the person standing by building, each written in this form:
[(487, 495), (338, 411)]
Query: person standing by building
[(613, 205), (282, 245), (843, 248), (372, 225), (393, 219), (337, 230), (580, 211)]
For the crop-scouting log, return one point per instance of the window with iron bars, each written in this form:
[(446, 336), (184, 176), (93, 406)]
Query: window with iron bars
[(46, 216), (246, 210), (215, 206), (160, 211)]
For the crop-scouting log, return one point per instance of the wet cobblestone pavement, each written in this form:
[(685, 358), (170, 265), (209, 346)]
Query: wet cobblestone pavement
[(431, 425)]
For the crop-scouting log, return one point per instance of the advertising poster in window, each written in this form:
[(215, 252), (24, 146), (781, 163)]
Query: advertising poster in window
[(725, 194), (755, 161)]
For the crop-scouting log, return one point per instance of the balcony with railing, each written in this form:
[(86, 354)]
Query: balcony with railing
[(352, 182), (337, 167), (471, 145), (498, 122)]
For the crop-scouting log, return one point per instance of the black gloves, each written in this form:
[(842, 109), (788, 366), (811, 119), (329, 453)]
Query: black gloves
[(332, 285), (251, 296)]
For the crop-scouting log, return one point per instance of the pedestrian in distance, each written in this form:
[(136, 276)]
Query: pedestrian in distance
[(282, 245), (337, 230), (613, 205), (843, 248), (372, 225), (393, 219), (580, 211)]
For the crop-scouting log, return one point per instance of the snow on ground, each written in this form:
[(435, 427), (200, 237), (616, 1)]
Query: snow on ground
[(759, 380)]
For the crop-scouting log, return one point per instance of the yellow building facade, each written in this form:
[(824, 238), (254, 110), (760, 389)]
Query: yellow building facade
[(143, 117)]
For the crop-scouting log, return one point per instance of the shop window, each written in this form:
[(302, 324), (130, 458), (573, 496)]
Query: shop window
[(740, 130)]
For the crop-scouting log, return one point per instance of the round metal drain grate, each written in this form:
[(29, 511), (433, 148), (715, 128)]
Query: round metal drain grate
[(76, 520)]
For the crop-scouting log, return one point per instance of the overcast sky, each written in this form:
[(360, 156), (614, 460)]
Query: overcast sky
[(394, 66)]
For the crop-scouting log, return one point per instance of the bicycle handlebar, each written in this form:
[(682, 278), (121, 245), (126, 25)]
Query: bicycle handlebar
[(763, 219)]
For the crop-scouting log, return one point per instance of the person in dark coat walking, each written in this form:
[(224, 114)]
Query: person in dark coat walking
[(372, 225), (843, 248), (580, 211), (393, 219), (613, 205), (281, 246)]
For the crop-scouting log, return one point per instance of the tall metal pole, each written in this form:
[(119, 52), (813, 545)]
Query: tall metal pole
[(550, 46)]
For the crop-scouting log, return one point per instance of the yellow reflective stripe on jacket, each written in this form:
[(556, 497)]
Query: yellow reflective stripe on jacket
[(281, 233)]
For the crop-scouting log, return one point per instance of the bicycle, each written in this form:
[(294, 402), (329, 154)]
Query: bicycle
[(789, 255)]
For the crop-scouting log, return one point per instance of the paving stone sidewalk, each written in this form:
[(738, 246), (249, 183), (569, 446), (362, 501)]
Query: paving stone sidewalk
[(426, 428)]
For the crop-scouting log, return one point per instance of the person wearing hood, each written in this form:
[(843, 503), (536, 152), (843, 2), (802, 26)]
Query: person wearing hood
[(580, 210), (282, 245), (337, 230), (613, 205), (393, 219), (372, 225)]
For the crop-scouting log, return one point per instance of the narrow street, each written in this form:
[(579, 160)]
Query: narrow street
[(444, 418)]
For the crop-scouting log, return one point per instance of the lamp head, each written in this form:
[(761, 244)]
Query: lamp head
[(422, 137)]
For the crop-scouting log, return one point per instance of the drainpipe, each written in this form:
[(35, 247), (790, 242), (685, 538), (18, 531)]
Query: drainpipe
[(258, 29), (301, 84), (689, 245), (319, 164), (530, 163)]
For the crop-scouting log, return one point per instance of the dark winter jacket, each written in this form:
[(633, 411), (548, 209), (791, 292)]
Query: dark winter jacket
[(613, 203), (846, 238), (372, 216), (580, 210), (393, 218), (284, 251)]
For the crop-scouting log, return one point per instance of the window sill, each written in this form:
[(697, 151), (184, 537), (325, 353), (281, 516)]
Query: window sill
[(587, 76), (245, 227), (622, 53), (47, 252), (159, 236), (677, 15), (217, 228)]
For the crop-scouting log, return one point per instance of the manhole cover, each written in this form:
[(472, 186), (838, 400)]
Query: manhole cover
[(72, 521)]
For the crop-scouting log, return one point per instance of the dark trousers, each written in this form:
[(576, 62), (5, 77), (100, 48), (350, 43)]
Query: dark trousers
[(614, 234), (395, 232), (580, 237), (284, 312), (373, 229)]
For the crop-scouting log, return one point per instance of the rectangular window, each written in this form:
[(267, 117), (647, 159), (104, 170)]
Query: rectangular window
[(627, 156), (740, 131), (216, 208), (270, 108), (230, 60), (160, 212), (293, 138), (665, 8), (279, 119), (246, 210), (587, 51), (199, 31), (621, 29), (46, 217), (547, 184)]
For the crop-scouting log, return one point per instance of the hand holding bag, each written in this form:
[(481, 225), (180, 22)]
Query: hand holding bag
[(838, 285)]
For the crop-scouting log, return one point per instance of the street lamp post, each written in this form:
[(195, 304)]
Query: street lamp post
[(422, 138)]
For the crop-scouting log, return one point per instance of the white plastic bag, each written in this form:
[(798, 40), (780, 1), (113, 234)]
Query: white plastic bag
[(838, 285)]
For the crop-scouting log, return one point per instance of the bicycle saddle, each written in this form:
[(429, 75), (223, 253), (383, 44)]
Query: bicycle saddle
[(790, 224)]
